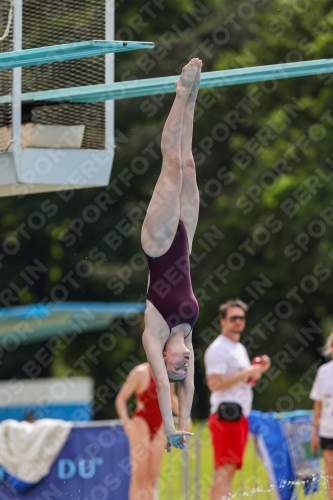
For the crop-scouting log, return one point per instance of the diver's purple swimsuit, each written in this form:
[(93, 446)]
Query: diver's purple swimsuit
[(170, 287)]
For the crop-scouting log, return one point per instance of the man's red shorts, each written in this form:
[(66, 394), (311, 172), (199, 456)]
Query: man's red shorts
[(229, 440)]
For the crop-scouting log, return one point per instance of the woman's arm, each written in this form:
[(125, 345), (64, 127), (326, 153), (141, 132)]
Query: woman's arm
[(186, 390), (317, 408), (175, 406), (174, 399), (153, 347), (130, 386)]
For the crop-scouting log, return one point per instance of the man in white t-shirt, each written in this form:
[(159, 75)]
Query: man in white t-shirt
[(230, 377)]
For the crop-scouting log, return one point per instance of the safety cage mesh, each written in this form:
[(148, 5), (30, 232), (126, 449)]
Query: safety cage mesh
[(53, 22), (6, 45)]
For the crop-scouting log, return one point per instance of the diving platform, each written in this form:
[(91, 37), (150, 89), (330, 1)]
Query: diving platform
[(165, 85), (67, 52)]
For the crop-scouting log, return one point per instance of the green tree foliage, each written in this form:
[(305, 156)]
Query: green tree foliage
[(265, 169)]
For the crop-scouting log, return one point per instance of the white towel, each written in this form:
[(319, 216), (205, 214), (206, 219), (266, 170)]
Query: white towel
[(28, 450)]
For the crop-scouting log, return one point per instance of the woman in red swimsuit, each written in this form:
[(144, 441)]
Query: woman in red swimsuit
[(167, 235), (144, 430)]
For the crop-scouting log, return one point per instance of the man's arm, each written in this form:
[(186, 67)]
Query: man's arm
[(219, 382)]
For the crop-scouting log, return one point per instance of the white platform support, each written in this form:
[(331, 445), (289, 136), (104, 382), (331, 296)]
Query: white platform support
[(17, 87), (27, 170)]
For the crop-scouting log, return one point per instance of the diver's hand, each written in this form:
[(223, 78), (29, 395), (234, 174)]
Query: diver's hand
[(177, 439)]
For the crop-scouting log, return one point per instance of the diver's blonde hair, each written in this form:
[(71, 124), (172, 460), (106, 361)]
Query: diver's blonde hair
[(327, 349)]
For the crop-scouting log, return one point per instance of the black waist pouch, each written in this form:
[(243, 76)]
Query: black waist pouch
[(231, 412)]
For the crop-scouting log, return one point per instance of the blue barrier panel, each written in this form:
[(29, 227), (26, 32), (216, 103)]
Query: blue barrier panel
[(94, 464), (278, 453), (78, 412)]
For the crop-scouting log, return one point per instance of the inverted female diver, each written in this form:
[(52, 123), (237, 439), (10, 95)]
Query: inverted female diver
[(144, 430), (167, 235)]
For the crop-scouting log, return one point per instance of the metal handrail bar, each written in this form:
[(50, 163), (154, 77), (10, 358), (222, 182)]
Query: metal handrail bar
[(186, 473), (197, 480)]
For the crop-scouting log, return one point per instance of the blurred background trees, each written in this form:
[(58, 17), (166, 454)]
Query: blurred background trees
[(265, 168)]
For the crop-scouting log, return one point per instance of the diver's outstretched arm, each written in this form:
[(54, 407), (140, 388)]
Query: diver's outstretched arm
[(186, 390), (154, 348)]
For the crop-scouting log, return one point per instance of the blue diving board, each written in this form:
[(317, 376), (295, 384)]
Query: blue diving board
[(36, 322), (150, 86), (66, 52)]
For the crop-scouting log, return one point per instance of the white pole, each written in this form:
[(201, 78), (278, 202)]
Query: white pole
[(109, 77), (17, 86)]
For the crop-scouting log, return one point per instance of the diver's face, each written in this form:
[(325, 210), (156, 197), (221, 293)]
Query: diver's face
[(177, 363)]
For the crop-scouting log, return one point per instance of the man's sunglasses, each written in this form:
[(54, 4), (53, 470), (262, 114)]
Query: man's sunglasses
[(235, 318)]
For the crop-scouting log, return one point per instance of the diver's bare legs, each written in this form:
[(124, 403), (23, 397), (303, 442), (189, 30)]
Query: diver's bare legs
[(189, 195), (163, 214)]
